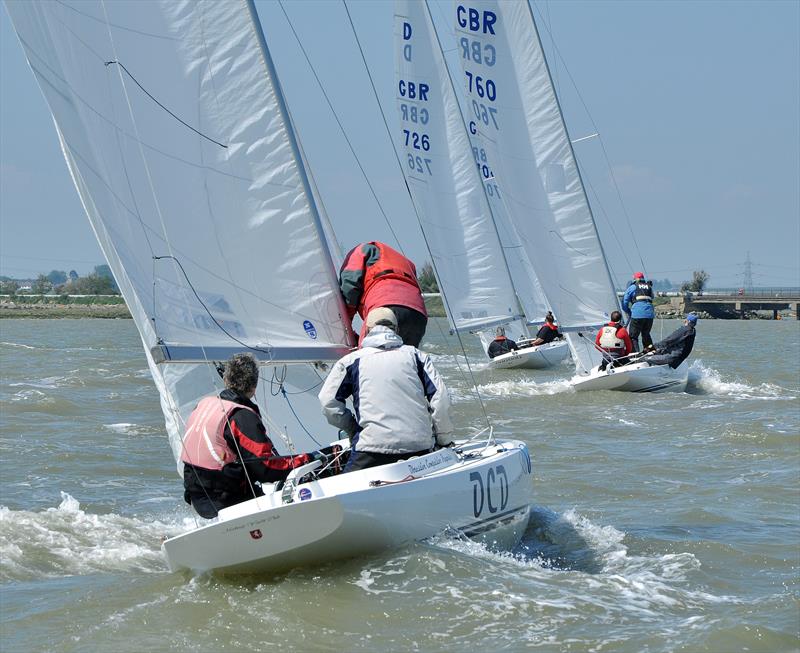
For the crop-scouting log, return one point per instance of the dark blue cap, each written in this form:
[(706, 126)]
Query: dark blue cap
[(692, 318)]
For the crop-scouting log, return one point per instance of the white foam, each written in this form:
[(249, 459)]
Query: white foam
[(593, 564), (125, 428), (66, 541), (526, 388), (48, 383), (707, 380), (16, 344), (31, 396)]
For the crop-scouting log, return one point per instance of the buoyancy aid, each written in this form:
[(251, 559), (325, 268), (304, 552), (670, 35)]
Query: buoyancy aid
[(204, 442), (644, 291), (391, 264), (609, 340)]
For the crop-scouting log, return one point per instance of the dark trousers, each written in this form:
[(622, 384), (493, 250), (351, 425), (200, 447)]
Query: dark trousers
[(410, 324), (208, 491), (641, 325), (673, 360), (365, 459)]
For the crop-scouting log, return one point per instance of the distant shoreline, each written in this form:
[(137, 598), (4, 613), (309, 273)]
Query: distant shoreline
[(10, 309)]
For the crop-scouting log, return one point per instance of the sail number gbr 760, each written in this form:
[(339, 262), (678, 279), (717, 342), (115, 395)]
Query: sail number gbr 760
[(478, 58)]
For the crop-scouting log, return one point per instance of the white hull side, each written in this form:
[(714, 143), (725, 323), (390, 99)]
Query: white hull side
[(486, 497), (537, 358), (637, 377)]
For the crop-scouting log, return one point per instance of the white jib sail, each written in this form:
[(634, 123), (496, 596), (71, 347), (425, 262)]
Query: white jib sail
[(440, 170), (172, 126), (519, 122)]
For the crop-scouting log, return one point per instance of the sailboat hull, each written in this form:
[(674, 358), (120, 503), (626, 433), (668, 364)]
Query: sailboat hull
[(537, 358), (484, 493), (637, 377)]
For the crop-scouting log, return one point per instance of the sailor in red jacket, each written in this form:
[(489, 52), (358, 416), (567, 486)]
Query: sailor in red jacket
[(226, 448), (374, 275), (613, 339)]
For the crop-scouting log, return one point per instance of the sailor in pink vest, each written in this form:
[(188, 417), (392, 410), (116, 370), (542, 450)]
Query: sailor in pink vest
[(226, 448)]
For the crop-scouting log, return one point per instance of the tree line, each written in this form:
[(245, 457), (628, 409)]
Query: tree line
[(99, 282)]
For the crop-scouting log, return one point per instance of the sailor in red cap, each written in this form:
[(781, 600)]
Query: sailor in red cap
[(638, 305)]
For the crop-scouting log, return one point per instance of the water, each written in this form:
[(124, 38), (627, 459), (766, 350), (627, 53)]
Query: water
[(661, 523)]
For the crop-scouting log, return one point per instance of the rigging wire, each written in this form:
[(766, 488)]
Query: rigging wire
[(148, 94), (341, 127)]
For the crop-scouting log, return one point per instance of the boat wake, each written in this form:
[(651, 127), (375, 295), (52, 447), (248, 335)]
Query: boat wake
[(575, 562), (706, 380), (67, 541)]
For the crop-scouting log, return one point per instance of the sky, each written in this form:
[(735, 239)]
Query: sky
[(697, 105)]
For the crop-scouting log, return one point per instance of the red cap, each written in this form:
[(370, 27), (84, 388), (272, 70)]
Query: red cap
[(638, 275)]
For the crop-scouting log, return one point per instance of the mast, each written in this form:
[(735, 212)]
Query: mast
[(291, 137)]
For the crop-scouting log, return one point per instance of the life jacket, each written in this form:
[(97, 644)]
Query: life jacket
[(609, 339), (553, 327), (391, 264), (204, 442), (644, 291)]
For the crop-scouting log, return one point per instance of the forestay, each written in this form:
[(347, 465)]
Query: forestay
[(519, 122), (445, 185), (174, 132)]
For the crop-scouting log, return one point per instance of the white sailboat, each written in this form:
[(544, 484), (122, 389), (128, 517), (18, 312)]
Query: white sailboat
[(484, 282), (518, 120), (174, 128)]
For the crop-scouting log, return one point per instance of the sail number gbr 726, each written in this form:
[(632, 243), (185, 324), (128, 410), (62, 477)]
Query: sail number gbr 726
[(414, 139)]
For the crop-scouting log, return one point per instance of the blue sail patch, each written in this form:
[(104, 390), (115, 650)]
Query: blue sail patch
[(311, 330)]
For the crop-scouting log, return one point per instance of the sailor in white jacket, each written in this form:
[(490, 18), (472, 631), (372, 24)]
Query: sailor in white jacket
[(400, 403)]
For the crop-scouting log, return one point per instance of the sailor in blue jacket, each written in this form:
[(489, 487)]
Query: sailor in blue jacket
[(638, 305)]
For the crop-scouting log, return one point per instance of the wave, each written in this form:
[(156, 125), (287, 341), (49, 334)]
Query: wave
[(67, 541), (707, 380), (71, 379), (128, 428), (17, 344), (526, 388)]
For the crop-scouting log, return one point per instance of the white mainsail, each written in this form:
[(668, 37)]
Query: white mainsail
[(172, 124), (483, 284), (519, 123)]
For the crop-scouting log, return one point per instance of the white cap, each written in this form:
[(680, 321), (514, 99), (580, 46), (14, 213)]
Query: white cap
[(381, 314)]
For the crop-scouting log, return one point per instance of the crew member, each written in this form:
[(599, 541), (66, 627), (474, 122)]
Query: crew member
[(548, 331), (676, 347), (226, 448), (638, 305), (613, 339), (400, 403), (374, 275), (501, 345)]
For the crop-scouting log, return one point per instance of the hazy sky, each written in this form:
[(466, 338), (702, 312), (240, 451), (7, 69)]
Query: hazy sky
[(698, 105)]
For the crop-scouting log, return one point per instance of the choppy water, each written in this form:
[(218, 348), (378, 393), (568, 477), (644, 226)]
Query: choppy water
[(661, 523)]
